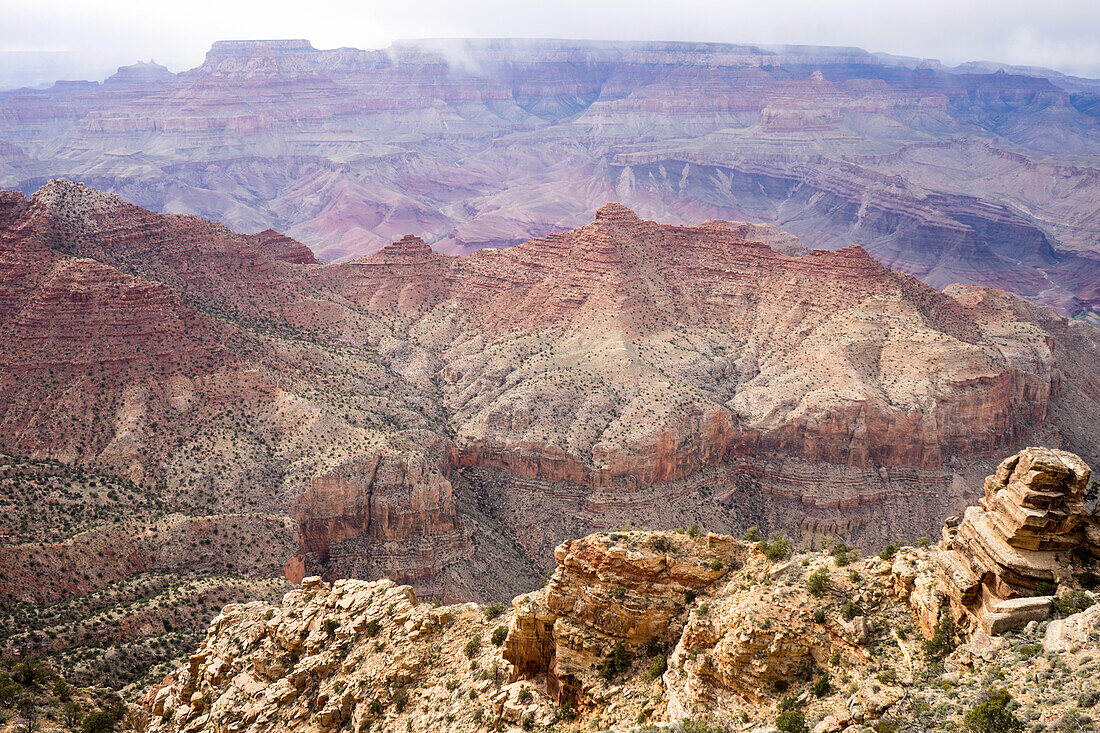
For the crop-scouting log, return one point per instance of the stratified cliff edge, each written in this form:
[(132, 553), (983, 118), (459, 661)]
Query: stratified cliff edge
[(677, 627)]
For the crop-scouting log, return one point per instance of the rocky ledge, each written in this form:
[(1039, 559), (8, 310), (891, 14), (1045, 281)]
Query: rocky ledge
[(1009, 559), (637, 628)]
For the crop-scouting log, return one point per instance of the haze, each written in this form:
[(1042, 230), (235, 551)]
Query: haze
[(52, 39)]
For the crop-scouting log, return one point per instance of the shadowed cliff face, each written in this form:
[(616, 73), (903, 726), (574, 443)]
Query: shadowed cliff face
[(979, 178), (447, 420)]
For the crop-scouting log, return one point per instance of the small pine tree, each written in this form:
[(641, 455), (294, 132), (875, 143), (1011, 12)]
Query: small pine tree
[(993, 716)]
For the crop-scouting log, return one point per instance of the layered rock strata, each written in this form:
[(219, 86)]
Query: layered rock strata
[(1005, 561), (610, 590)]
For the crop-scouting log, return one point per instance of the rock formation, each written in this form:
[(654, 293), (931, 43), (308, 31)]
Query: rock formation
[(612, 590), (1004, 563), (633, 627), (447, 421), (953, 175)]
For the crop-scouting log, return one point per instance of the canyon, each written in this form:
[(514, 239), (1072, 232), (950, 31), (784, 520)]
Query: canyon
[(980, 174), (679, 631), (446, 421)]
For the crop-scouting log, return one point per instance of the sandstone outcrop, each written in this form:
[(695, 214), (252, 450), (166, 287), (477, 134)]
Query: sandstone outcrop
[(611, 589), (1003, 564)]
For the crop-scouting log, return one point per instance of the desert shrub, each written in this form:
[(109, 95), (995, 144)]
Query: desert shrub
[(850, 609), (500, 633), (841, 554), (942, 642), (819, 615), (753, 535), (775, 547), (821, 686), (10, 691), (890, 551), (616, 662), (817, 582), (694, 531), (887, 676), (524, 695), (1073, 602), (994, 715), (658, 666), (62, 691), (30, 672), (98, 722), (791, 721), (492, 611), (1089, 580), (330, 626), (400, 699), (373, 628), (473, 646), (71, 714)]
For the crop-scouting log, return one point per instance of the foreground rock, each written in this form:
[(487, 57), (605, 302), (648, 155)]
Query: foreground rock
[(1005, 563), (653, 627)]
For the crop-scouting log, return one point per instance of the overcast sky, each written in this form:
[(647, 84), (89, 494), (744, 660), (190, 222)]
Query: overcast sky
[(89, 39)]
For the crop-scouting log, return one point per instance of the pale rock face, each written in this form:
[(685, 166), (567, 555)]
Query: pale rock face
[(610, 589), (1079, 631)]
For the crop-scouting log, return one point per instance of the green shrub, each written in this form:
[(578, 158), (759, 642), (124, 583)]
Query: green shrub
[(330, 625), (693, 530), (890, 551), (1073, 602), (993, 716), (500, 633), (887, 676), (819, 615), (817, 582), (492, 611), (400, 699), (658, 666), (616, 663), (30, 672), (10, 691), (661, 544), (791, 721), (821, 686), (373, 628), (473, 646), (942, 642), (62, 691), (753, 535), (850, 609), (98, 722), (775, 547), (841, 554), (524, 695)]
